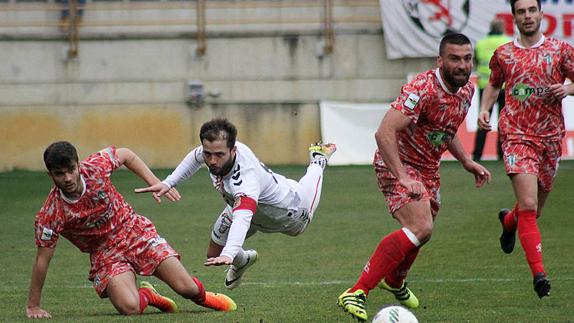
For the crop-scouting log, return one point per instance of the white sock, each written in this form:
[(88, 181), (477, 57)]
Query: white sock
[(240, 259)]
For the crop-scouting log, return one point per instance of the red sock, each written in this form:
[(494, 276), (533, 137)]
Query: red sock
[(531, 240), (388, 255), (200, 298), (397, 277), (144, 300), (509, 221)]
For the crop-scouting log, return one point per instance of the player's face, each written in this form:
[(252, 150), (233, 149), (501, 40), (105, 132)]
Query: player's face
[(455, 65), (68, 180), (218, 158), (527, 17)]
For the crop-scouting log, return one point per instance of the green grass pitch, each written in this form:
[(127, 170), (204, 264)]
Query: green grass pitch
[(460, 275)]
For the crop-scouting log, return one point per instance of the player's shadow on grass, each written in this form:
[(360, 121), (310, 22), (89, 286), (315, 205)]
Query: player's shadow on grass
[(147, 314)]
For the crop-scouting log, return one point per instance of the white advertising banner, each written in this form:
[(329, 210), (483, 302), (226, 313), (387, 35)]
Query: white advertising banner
[(352, 127), (413, 28)]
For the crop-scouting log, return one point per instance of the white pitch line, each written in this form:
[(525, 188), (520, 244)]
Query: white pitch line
[(348, 282), (438, 281)]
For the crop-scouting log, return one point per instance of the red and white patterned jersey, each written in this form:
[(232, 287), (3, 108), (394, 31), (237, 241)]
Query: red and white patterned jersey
[(435, 115), (99, 218), (530, 111)]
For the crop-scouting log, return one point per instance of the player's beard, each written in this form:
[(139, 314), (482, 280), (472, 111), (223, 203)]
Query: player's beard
[(457, 78), (224, 169)]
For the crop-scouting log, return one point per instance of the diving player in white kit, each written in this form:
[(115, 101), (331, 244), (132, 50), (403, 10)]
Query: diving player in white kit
[(257, 198)]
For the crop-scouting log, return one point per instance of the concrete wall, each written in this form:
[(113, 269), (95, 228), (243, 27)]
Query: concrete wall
[(129, 87)]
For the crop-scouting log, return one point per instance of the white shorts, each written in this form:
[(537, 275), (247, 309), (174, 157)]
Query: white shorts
[(294, 222)]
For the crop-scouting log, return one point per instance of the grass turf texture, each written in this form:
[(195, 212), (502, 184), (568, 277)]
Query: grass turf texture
[(460, 276)]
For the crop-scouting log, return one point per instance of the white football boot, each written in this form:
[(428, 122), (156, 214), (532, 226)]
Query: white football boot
[(234, 275)]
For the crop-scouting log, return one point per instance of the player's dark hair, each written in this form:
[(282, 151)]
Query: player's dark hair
[(513, 3), (452, 38), (217, 129), (60, 154)]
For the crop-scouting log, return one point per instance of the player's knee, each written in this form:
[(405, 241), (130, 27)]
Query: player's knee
[(530, 204), (423, 232)]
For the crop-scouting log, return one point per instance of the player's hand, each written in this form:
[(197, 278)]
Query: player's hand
[(558, 91), (484, 120), (414, 187), (218, 261), (37, 313), (481, 174), (160, 189)]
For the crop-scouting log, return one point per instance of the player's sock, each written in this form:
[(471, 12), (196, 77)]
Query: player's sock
[(397, 277), (215, 301), (390, 252), (143, 300), (200, 297), (240, 259), (149, 296), (509, 221), (531, 241)]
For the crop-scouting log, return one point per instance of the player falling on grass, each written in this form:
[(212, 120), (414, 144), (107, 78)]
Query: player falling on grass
[(420, 125), (85, 208), (531, 126), (257, 198)]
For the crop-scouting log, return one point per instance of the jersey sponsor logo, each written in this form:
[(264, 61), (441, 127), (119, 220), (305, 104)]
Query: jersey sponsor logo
[(412, 101), (522, 91), (98, 223), (46, 234), (437, 138)]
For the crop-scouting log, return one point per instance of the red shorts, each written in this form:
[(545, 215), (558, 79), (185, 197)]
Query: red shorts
[(538, 158), (140, 252), (397, 195)]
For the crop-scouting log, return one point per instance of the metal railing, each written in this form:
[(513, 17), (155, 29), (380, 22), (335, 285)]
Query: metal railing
[(323, 15)]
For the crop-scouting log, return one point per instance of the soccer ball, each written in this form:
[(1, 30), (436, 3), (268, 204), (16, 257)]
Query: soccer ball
[(395, 314)]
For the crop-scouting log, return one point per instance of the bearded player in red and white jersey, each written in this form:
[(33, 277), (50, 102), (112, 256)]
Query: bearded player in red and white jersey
[(418, 128), (531, 126), (85, 208), (257, 198)]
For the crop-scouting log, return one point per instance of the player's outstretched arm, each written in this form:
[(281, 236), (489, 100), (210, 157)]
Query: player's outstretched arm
[(39, 271), (134, 163), (160, 189), (481, 174)]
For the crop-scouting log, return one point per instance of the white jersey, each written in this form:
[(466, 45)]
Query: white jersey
[(280, 206), (273, 192)]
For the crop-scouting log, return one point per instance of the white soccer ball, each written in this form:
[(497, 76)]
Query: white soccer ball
[(395, 314)]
